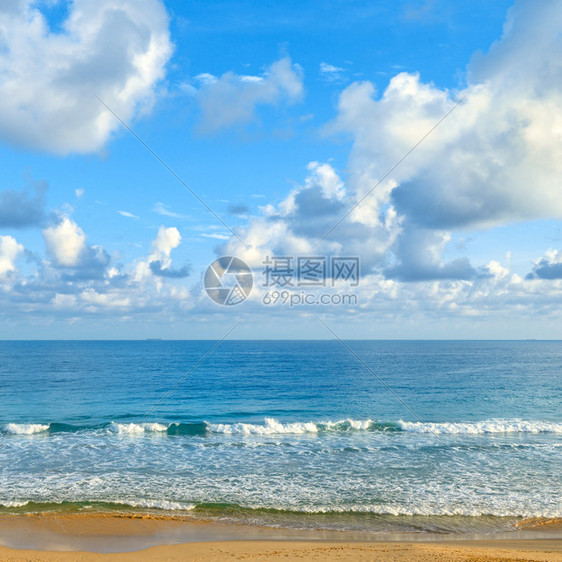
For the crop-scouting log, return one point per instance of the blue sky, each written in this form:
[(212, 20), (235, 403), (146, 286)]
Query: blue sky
[(280, 117)]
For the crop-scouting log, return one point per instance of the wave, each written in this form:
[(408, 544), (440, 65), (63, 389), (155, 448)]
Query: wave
[(24, 428), (127, 428), (64, 505), (481, 427), (274, 427), (164, 505), (14, 503), (271, 426), (221, 510)]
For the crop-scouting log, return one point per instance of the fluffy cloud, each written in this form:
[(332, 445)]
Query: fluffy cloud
[(158, 269), (10, 249), (66, 244), (79, 280), (159, 262), (297, 225), (166, 240), (420, 253), (547, 267), (49, 81), (232, 99), (496, 159), (20, 209)]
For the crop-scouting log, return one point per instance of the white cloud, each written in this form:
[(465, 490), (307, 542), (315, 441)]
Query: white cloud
[(62, 301), (10, 249), (49, 81), (162, 209), (328, 180), (158, 265), (66, 245), (104, 300), (66, 242), (216, 236), (80, 281), (331, 73), (232, 99), (325, 67), (20, 209), (127, 214), (496, 159), (547, 267), (297, 225), (166, 240)]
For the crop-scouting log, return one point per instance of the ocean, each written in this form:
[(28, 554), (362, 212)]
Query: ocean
[(392, 436)]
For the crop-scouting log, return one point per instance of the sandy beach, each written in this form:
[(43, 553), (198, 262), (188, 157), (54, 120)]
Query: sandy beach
[(307, 550), (85, 537)]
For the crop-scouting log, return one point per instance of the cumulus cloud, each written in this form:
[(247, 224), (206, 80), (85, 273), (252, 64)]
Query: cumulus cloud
[(10, 249), (160, 263), (66, 244), (232, 99), (496, 159), (420, 251), (166, 240), (547, 267), (21, 209), (79, 280), (297, 225), (158, 269), (49, 80)]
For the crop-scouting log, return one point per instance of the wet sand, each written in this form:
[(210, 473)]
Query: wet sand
[(128, 537)]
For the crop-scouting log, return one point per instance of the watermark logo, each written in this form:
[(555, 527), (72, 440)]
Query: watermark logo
[(310, 271), (291, 280), (287, 280), (228, 281)]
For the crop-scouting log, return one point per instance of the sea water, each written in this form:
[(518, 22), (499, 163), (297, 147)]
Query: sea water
[(421, 436)]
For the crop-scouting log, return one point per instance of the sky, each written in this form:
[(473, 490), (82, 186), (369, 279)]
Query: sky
[(140, 140)]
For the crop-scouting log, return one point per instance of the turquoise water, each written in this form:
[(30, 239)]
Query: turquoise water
[(441, 436)]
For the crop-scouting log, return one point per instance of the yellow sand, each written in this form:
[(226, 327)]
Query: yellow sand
[(306, 550), (98, 527)]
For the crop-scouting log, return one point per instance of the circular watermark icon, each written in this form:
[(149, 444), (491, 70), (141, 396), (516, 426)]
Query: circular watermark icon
[(228, 281)]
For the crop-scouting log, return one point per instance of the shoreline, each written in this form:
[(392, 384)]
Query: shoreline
[(148, 536)]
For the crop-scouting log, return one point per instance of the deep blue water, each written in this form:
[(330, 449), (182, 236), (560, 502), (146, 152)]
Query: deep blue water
[(412, 435)]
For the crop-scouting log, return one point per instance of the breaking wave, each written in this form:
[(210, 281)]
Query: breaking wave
[(271, 426)]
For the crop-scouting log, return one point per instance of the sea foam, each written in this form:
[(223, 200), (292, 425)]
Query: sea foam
[(135, 428), (24, 428), (274, 427), (480, 427), (271, 426)]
